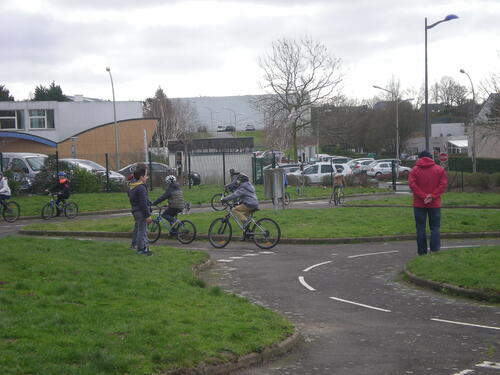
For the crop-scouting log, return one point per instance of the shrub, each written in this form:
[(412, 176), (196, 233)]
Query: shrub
[(480, 180), (83, 181), (495, 179)]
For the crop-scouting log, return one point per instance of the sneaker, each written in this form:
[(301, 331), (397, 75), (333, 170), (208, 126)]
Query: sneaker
[(133, 247), (146, 252)]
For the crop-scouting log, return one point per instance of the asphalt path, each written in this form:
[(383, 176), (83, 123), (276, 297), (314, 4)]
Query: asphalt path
[(354, 313)]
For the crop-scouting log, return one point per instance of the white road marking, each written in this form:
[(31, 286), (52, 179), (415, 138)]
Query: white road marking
[(316, 265), (225, 260), (306, 285), (235, 257), (266, 252), (365, 255), (464, 372), (487, 364), (457, 247), (314, 202), (464, 324), (360, 304), (250, 255)]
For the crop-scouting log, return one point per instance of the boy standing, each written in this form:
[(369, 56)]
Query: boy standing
[(138, 196)]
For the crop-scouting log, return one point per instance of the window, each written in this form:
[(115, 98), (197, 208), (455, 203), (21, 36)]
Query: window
[(41, 119), (17, 165), (36, 162), (311, 170), (384, 165), (339, 168), (326, 169), (11, 119)]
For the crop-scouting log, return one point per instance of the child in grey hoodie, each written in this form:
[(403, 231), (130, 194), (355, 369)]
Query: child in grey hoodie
[(245, 193)]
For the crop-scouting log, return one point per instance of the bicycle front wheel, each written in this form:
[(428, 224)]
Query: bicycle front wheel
[(186, 232), (11, 212), (220, 233), (153, 231), (287, 199), (332, 198), (48, 211), (266, 233), (341, 197), (216, 204), (70, 210)]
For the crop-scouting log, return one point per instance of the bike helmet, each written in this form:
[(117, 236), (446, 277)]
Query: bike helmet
[(243, 178), (61, 174), (232, 172), (170, 180)]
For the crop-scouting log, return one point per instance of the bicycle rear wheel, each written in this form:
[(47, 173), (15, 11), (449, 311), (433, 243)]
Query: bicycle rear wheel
[(266, 233), (186, 232), (220, 233), (287, 199), (11, 212), (216, 204), (48, 211), (341, 197), (153, 231), (331, 201), (70, 210)]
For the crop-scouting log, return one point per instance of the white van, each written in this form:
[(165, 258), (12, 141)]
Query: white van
[(24, 165)]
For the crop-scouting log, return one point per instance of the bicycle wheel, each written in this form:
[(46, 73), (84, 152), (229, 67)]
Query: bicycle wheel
[(220, 233), (153, 231), (341, 197), (266, 233), (48, 211), (217, 205), (70, 210), (332, 198), (186, 232), (287, 199), (11, 212)]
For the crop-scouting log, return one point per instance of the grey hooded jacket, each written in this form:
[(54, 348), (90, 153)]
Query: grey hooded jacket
[(246, 194)]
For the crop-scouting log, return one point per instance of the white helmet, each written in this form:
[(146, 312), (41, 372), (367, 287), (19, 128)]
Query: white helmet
[(170, 180)]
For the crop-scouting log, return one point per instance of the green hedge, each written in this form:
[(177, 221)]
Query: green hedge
[(485, 165)]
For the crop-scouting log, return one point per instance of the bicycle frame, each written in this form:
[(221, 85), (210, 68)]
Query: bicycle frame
[(235, 218), (161, 220)]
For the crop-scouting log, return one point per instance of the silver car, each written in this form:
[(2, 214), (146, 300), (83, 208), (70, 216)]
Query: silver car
[(93, 167)]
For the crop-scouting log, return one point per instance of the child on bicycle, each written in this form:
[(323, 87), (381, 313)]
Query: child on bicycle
[(233, 185), (175, 198), (4, 190), (62, 188), (338, 181), (138, 197), (247, 197)]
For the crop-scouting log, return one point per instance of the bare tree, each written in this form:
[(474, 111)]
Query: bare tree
[(297, 74), (449, 92), (177, 119)]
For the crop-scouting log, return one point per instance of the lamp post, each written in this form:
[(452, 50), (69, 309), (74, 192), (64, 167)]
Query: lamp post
[(396, 101), (449, 17), (234, 113), (117, 150), (211, 117), (473, 121)]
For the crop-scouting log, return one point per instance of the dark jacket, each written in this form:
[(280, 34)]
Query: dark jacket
[(62, 186), (174, 196), (233, 185), (138, 196), (246, 195), (426, 177)]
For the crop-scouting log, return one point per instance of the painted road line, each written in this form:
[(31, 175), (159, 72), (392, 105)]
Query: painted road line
[(224, 260), (365, 255), (315, 202), (464, 324), (250, 255), (306, 285), (360, 304), (488, 364), (316, 265), (266, 252), (457, 247), (235, 257), (464, 372)]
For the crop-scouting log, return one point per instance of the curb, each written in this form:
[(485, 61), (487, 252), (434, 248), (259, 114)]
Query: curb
[(288, 241), (245, 361), (443, 287)]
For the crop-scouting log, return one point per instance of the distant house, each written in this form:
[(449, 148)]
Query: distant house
[(488, 129), (445, 137)]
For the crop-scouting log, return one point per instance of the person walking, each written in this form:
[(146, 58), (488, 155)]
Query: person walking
[(138, 196), (428, 182)]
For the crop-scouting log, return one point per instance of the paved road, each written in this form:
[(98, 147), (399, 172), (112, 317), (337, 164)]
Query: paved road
[(356, 317)]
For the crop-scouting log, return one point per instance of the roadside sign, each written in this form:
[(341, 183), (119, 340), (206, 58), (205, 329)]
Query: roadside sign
[(443, 157)]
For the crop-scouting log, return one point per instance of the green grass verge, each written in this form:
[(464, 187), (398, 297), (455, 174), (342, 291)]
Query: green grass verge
[(197, 195), (318, 223), (259, 138), (475, 268), (86, 307), (448, 199)]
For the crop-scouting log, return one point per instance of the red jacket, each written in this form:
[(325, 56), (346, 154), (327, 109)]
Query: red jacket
[(427, 178)]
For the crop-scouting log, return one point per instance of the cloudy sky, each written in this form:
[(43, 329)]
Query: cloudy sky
[(211, 48)]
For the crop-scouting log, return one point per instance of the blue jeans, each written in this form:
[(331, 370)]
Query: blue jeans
[(421, 214), (139, 238)]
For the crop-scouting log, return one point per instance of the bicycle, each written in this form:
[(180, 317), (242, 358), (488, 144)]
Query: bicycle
[(286, 200), (338, 196), (183, 230), (50, 210), (216, 203), (264, 232), (11, 211)]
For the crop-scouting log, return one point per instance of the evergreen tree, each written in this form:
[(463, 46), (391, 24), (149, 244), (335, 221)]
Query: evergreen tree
[(5, 94), (51, 93)]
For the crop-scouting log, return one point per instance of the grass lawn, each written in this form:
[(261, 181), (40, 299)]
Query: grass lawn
[(86, 307), (197, 195), (259, 138), (317, 223), (475, 268), (447, 199)]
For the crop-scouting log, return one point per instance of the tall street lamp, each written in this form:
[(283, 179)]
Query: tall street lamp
[(117, 150), (449, 17), (473, 121), (234, 113), (396, 101), (211, 117)]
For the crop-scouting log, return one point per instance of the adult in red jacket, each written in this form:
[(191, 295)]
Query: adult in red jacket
[(428, 181)]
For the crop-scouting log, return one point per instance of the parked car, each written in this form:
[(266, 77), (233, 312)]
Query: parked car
[(335, 159), (317, 171), (93, 167), (230, 128), (159, 172), (24, 165), (384, 168), (221, 128), (357, 165), (249, 128)]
